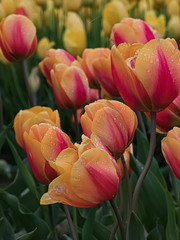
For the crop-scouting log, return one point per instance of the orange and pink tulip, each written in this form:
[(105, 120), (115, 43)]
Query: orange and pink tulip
[(132, 30), (147, 76), (54, 56), (169, 117), (84, 180), (25, 119), (97, 66), (171, 150), (70, 86), (17, 37), (112, 122), (43, 144)]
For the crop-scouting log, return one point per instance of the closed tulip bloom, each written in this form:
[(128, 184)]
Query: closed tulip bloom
[(112, 122), (25, 119), (113, 13), (88, 61), (43, 144), (85, 180), (54, 56), (75, 41), (172, 27), (132, 30), (43, 46), (17, 37), (171, 150), (70, 86), (147, 76), (21, 11), (169, 117)]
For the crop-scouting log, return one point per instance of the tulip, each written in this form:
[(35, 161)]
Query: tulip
[(169, 117), (43, 144), (85, 180), (9, 6), (70, 5), (54, 56), (172, 27), (113, 13), (173, 8), (74, 41), (147, 76), (41, 3), (157, 23), (3, 59), (132, 30), (21, 11), (34, 79), (70, 86), (2, 12), (112, 122), (43, 46), (92, 63), (17, 37), (25, 119), (171, 150)]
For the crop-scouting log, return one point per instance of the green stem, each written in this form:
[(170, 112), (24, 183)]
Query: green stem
[(129, 192), (31, 96), (141, 122), (148, 162), (76, 126), (74, 236), (52, 223), (1, 113), (113, 232), (119, 219)]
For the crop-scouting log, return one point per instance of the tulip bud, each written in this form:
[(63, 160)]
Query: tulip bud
[(43, 46), (132, 30), (112, 122), (34, 79), (171, 150), (25, 119), (173, 8), (21, 11), (172, 27), (9, 6), (43, 144), (113, 13), (17, 37), (2, 12), (169, 117), (54, 56), (70, 86)]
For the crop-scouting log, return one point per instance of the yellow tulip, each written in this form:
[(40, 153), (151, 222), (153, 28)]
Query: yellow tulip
[(70, 5), (9, 6), (2, 58), (173, 8), (41, 3), (74, 21), (34, 79), (157, 23), (2, 12), (43, 46), (74, 41), (173, 27), (113, 13)]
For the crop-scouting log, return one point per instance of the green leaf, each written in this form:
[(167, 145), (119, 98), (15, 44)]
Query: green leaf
[(136, 230), (101, 232), (28, 236), (171, 228), (23, 170), (29, 221), (154, 234), (3, 134), (89, 225), (6, 230), (152, 199)]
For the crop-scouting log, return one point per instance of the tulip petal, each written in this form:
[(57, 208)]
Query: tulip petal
[(171, 152), (94, 177), (155, 62)]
